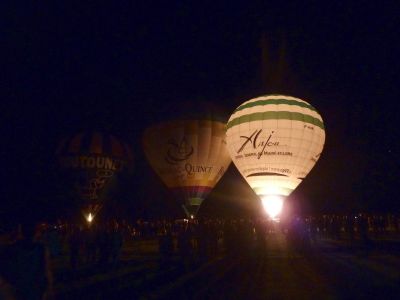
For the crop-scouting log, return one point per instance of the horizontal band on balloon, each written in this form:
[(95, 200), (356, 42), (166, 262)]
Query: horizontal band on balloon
[(187, 192), (194, 201), (271, 189), (276, 115), (266, 174), (94, 143), (270, 174), (274, 102)]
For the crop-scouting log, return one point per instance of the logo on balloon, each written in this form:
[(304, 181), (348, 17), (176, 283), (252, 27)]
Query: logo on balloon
[(90, 187), (191, 169), (257, 142), (92, 162), (178, 152)]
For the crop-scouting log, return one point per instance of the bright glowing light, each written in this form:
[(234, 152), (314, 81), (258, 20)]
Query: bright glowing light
[(89, 218), (272, 205), (191, 216)]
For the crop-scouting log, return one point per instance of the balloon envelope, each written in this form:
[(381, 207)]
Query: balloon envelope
[(189, 155), (91, 163), (275, 141)]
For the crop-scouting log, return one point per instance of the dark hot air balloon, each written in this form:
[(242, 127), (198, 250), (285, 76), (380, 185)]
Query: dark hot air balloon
[(91, 163)]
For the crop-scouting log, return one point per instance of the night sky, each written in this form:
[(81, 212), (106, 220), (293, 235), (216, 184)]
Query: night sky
[(117, 68)]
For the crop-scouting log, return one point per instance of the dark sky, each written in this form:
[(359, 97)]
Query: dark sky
[(118, 67)]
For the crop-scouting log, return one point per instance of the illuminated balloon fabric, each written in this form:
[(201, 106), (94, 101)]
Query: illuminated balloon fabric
[(190, 156), (275, 141), (92, 161)]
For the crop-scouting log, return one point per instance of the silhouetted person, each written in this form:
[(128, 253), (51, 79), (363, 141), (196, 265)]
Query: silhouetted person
[(313, 229), (213, 232), (52, 239), (185, 245), (202, 239), (117, 240), (25, 265), (350, 228), (91, 241), (335, 223), (104, 244), (75, 241), (165, 244), (363, 228), (229, 236), (261, 231), (298, 236)]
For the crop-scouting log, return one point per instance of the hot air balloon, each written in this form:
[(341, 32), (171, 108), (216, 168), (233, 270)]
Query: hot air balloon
[(91, 163), (189, 154), (275, 141)]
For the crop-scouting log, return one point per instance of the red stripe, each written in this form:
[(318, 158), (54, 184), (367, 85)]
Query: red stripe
[(96, 145), (191, 191), (75, 143), (116, 147)]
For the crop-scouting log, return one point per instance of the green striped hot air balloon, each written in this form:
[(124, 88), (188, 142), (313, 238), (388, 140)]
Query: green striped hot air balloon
[(275, 141)]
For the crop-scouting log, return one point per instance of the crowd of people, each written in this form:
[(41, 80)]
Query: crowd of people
[(29, 249), (96, 244)]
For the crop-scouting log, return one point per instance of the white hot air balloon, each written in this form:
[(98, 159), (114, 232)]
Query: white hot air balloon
[(275, 141)]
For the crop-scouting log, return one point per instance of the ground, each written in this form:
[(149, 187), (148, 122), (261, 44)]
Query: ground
[(327, 269)]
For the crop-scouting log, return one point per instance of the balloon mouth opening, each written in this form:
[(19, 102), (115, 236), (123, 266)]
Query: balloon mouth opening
[(272, 205), (191, 207)]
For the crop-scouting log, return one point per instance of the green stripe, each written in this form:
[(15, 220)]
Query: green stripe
[(275, 101), (194, 201), (276, 115)]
